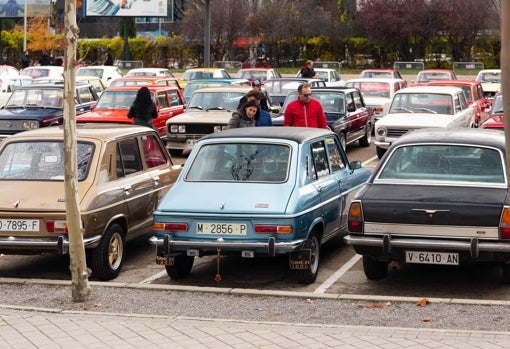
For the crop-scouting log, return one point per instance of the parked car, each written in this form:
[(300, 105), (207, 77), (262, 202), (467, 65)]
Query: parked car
[(330, 76), (279, 171), (428, 75), (202, 73), (496, 118), (145, 80), (194, 85), (43, 71), (8, 70), (94, 81), (422, 107), (279, 88), (150, 72), (346, 113), (382, 73), (474, 94), (439, 196), (490, 80), (261, 74), (377, 92), (9, 83), (122, 173), (41, 105), (114, 103), (107, 73), (208, 111)]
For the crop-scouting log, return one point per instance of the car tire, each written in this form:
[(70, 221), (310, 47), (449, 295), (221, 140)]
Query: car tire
[(107, 258), (367, 138), (380, 152), (175, 152), (181, 268), (308, 276), (374, 269)]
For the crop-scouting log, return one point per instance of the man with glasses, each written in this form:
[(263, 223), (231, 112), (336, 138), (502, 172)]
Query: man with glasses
[(305, 111)]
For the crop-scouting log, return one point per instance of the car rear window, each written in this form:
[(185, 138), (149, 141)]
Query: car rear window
[(240, 162), (444, 163), (42, 160)]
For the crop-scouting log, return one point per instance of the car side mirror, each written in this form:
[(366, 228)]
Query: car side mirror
[(92, 107), (355, 164)]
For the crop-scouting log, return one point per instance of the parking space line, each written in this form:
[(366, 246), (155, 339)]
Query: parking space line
[(337, 275), (150, 279)]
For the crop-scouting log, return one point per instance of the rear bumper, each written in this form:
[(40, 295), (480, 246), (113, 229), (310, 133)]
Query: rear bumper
[(59, 244)]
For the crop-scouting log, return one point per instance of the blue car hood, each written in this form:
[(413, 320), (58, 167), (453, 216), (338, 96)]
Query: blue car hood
[(225, 198), (29, 113)]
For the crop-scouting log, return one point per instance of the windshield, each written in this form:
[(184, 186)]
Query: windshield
[(497, 107), (215, 100), (372, 89), (422, 103), (117, 99), (281, 88), (493, 77), (247, 162), (196, 75), (89, 72), (48, 98), (41, 160)]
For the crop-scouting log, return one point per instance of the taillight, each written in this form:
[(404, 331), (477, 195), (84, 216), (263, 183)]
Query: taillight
[(277, 229), (504, 223), (171, 226), (56, 226), (355, 218)]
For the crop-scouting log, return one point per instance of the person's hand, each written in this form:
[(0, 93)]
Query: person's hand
[(123, 3)]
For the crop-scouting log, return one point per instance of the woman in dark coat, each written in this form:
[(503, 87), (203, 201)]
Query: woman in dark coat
[(246, 116), (143, 109)]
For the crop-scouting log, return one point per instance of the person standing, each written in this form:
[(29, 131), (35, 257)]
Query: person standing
[(25, 61), (246, 116), (257, 86), (255, 95), (305, 111), (108, 59), (143, 109), (307, 71)]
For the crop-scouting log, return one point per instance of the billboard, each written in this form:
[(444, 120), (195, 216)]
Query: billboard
[(126, 8), (16, 8)]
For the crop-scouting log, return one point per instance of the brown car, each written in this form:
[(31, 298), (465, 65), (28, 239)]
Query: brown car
[(123, 172)]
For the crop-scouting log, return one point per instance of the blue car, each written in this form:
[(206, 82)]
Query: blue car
[(258, 191)]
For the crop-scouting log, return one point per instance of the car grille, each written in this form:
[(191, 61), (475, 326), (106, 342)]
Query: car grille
[(197, 128), (11, 125), (397, 132)]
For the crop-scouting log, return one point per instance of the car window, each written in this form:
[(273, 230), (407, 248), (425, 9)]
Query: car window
[(162, 100), (320, 164), (174, 99), (43, 160), (85, 95), (444, 163), (153, 153), (246, 162), (128, 158), (334, 155)]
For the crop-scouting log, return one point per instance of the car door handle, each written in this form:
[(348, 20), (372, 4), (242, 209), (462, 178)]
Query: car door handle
[(126, 187), (319, 188), (155, 180)]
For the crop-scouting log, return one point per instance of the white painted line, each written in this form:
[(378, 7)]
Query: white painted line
[(150, 279), (338, 274), (374, 158)]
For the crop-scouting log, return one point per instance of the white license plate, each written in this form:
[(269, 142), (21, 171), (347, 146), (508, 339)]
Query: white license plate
[(208, 228), (422, 257), (19, 225)]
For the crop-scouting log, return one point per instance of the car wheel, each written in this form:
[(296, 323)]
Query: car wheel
[(380, 152), (308, 276), (175, 152), (374, 269), (181, 268), (343, 142), (107, 258), (367, 138)]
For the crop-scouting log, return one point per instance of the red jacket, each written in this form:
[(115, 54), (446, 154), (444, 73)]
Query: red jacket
[(295, 114)]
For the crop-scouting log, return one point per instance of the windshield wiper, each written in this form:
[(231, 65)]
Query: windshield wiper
[(427, 110), (196, 107), (402, 109)]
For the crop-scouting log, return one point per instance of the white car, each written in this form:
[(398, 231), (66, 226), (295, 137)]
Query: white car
[(107, 73), (330, 76), (43, 71), (491, 81), (422, 107), (377, 92), (9, 83), (149, 72)]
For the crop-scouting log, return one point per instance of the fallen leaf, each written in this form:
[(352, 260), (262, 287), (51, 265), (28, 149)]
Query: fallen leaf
[(98, 304), (427, 319), (374, 306), (422, 302), (308, 300), (387, 304)]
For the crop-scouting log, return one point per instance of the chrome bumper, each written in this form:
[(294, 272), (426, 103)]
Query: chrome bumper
[(384, 145), (386, 242), (168, 243), (60, 243)]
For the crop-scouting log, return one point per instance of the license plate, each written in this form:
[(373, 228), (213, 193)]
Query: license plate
[(207, 228), (421, 257), (19, 225)]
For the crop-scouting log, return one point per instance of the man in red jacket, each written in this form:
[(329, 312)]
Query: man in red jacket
[(305, 111)]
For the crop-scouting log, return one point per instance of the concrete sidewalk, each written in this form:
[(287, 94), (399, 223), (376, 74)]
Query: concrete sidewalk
[(52, 328)]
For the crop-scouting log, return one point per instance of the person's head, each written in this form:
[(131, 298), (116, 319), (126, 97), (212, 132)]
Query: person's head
[(304, 92), (257, 84), (251, 109), (309, 63), (254, 95), (143, 96)]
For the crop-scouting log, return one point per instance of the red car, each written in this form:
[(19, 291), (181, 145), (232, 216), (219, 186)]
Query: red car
[(145, 80), (474, 95), (428, 75), (496, 117), (114, 103)]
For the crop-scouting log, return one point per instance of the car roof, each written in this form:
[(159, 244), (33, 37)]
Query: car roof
[(333, 88), (430, 89), (490, 138), (137, 87), (453, 83), (217, 80), (296, 134), (99, 131), (293, 79), (388, 80), (54, 84), (226, 88), (435, 70), (389, 70)]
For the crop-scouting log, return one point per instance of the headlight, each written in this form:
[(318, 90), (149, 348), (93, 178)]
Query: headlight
[(381, 131), (177, 129), (29, 124)]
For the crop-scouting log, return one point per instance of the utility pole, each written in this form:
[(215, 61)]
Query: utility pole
[(207, 34), (79, 272)]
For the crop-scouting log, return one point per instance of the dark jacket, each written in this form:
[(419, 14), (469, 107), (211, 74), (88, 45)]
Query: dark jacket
[(143, 117)]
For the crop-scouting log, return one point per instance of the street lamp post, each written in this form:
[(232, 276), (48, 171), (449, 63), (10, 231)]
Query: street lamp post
[(25, 27)]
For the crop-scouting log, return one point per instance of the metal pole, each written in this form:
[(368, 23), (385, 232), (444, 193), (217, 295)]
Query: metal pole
[(207, 35), (25, 28)]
